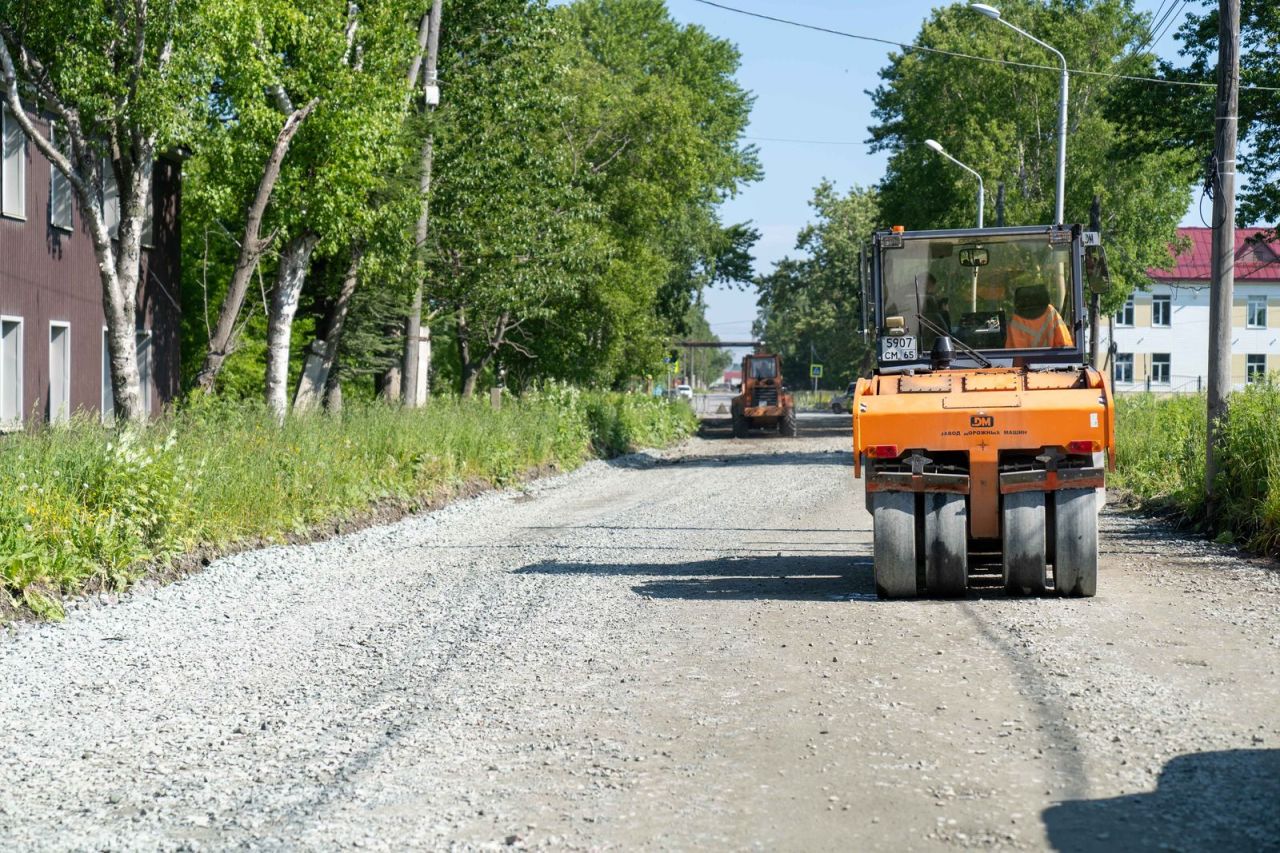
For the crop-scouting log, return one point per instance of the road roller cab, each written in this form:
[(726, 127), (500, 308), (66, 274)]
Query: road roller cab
[(982, 437)]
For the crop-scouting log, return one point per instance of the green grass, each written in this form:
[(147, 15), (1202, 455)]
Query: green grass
[(1161, 451), (809, 401), (87, 504)]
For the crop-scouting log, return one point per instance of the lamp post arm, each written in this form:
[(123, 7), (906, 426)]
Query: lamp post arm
[(981, 189), (1045, 45)]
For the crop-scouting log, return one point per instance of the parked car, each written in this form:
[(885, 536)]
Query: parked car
[(842, 403), (684, 392)]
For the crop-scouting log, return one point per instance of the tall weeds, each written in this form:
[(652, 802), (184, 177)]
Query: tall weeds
[(84, 503), (1161, 452)]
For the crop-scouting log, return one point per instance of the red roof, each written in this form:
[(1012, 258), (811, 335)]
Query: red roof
[(1255, 261)]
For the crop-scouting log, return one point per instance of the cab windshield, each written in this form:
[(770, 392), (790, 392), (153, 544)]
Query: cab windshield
[(762, 368), (993, 293)]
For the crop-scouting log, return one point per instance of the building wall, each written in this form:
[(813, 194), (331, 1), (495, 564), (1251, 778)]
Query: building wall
[(1186, 339), (50, 275)]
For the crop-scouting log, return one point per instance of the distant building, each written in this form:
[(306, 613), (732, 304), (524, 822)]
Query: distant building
[(732, 376), (1162, 334), (53, 360)]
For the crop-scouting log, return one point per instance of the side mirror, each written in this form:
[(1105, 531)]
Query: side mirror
[(1096, 275)]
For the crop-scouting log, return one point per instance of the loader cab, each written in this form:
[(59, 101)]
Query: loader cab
[(1009, 297), (761, 368)]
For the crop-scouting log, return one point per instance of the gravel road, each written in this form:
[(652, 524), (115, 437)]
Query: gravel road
[(678, 649)]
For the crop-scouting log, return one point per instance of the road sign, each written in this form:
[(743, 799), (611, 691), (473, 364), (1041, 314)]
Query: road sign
[(815, 370)]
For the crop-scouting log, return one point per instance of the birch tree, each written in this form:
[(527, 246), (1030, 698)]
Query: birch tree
[(130, 89)]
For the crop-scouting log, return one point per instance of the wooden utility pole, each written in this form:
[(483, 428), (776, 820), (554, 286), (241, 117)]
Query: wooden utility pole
[(413, 324), (1224, 232), (1095, 350), (1000, 205)]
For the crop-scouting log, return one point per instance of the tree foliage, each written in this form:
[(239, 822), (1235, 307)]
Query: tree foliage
[(650, 119), (1159, 117), (1002, 121), (811, 306), (123, 84)]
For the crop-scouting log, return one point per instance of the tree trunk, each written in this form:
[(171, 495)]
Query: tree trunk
[(388, 385), (122, 305), (312, 387), (222, 342), (473, 366), (118, 269), (333, 392), (295, 259), (469, 370), (413, 323)]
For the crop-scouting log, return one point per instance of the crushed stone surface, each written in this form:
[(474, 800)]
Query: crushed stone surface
[(674, 649)]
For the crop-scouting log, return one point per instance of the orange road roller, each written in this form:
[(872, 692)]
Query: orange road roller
[(982, 436)]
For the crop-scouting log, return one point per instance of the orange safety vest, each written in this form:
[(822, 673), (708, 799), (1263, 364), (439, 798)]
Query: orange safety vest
[(1047, 330)]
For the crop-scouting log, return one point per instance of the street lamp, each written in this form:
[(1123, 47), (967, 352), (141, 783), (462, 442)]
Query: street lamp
[(994, 14), (937, 146)]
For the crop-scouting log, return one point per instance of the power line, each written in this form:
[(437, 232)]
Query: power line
[(1173, 19), (922, 49), (801, 141), (1157, 21)]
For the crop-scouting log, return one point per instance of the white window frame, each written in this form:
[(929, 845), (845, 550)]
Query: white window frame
[(145, 368), (1249, 307), (107, 397), (19, 372), (1167, 364), (1124, 370), (1255, 367), (109, 203), (1126, 310), (20, 156), (148, 220), (1165, 301), (56, 416), (59, 186)]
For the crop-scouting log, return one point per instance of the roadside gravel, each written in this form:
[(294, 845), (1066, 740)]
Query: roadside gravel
[(677, 649)]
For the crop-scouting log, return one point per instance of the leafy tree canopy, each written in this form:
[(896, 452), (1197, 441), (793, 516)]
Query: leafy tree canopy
[(1158, 117), (811, 306), (1002, 121)]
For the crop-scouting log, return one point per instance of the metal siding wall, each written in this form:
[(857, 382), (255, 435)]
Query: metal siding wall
[(50, 274)]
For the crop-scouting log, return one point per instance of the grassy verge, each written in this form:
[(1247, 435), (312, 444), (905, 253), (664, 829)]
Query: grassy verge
[(808, 401), (1161, 451), (86, 505)]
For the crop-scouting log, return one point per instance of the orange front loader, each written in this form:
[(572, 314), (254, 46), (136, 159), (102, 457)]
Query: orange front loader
[(764, 402), (976, 447)]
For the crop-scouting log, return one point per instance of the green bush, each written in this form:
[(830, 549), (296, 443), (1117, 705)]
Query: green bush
[(1161, 452), (92, 504)]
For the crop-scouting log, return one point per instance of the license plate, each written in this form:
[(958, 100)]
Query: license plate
[(901, 348)]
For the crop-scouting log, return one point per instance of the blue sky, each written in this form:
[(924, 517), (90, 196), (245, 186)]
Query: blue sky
[(808, 86)]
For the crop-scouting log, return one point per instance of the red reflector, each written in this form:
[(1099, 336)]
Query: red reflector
[(1084, 446), (883, 451)]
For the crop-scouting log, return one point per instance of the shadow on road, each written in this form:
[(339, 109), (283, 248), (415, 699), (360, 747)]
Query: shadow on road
[(819, 457), (1203, 801), (803, 577)]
